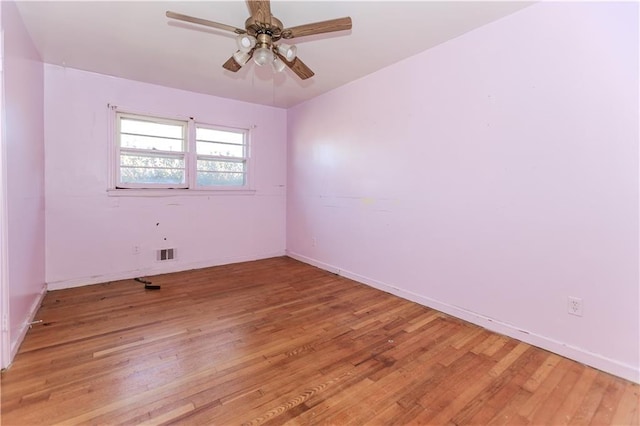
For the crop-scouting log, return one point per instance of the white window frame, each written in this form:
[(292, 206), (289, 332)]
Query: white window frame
[(184, 154), (116, 188), (244, 159)]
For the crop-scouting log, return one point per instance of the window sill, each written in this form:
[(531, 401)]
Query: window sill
[(141, 192)]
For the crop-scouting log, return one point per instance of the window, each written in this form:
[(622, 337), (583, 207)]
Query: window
[(153, 153), (158, 153), (222, 158)]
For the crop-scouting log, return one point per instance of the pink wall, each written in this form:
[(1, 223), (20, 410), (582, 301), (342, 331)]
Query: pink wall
[(24, 165), (90, 235), (490, 177)]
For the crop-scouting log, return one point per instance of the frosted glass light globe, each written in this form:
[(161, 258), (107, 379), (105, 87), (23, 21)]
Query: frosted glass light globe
[(289, 52), (263, 56), (246, 42)]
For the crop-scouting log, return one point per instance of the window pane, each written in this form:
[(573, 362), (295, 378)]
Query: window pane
[(150, 142), (150, 160), (220, 166), (211, 135), (220, 178), (219, 149), (153, 169), (152, 176), (143, 134), (150, 128)]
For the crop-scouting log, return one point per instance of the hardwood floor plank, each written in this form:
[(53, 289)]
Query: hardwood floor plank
[(276, 342), (627, 411), (169, 416), (542, 372), (567, 410), (508, 360), (546, 410), (585, 412), (504, 395)]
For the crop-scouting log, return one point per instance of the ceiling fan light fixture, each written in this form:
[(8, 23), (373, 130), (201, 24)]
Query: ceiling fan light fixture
[(263, 55), (278, 65), (260, 34), (241, 57), (289, 52), (245, 42)]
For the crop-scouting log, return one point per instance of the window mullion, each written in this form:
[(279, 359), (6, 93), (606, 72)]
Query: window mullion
[(191, 158)]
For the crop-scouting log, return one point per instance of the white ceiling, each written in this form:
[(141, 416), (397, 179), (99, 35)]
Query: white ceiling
[(135, 40)]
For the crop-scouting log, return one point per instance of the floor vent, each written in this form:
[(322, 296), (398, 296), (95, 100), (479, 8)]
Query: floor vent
[(166, 254)]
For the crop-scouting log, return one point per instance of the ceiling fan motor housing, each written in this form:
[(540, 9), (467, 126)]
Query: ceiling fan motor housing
[(264, 40), (272, 27)]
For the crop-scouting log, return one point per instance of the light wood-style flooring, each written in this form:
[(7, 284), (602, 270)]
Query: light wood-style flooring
[(277, 341)]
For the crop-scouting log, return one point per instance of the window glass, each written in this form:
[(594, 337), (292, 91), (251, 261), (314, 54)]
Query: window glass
[(213, 135), (155, 169), (219, 149), (220, 179)]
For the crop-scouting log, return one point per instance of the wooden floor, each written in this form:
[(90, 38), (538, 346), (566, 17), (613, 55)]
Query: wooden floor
[(277, 341)]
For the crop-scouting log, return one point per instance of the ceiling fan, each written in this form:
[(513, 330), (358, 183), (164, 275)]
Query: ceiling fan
[(261, 32)]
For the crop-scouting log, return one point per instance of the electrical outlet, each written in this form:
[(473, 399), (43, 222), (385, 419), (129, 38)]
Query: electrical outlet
[(574, 306), (135, 250), (313, 241)]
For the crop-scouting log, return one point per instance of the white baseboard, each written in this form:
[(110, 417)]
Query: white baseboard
[(612, 366), (24, 327), (161, 268)]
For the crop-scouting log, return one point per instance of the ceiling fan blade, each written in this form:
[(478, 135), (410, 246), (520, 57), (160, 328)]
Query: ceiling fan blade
[(260, 10), (339, 24), (298, 67), (231, 65), (205, 22)]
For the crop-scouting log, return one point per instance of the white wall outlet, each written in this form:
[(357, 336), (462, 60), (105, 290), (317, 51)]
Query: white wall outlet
[(135, 250), (574, 306), (313, 241)]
